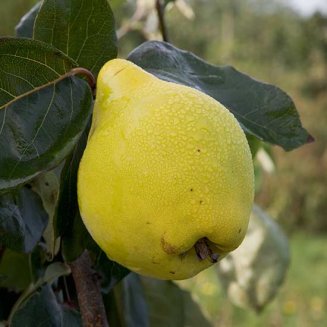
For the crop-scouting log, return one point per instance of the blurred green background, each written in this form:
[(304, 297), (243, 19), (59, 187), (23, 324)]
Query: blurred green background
[(273, 43)]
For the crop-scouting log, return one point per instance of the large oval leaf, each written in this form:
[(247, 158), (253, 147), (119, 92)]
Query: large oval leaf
[(14, 270), (171, 306), (26, 25), (263, 110), (47, 187), (84, 30), (43, 309), (41, 114), (22, 220), (27, 65)]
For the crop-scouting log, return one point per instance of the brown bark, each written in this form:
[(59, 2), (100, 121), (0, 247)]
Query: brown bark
[(89, 296)]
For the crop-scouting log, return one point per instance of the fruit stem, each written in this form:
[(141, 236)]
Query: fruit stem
[(161, 17), (203, 250), (89, 296)]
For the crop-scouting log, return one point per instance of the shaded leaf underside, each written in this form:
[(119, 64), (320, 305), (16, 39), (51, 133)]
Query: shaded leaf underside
[(22, 220)]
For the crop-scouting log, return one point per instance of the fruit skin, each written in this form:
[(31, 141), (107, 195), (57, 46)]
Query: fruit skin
[(165, 165)]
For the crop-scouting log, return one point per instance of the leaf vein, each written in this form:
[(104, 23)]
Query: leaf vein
[(32, 60), (36, 134)]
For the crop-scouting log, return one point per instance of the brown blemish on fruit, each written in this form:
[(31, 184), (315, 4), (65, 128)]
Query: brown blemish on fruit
[(167, 247), (191, 190), (148, 223), (239, 230), (201, 201), (172, 272), (118, 71)]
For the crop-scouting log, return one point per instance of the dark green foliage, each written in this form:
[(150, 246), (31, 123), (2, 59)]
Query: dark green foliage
[(142, 301), (15, 274), (41, 115), (42, 309), (27, 65), (83, 30), (54, 118), (26, 24), (22, 220)]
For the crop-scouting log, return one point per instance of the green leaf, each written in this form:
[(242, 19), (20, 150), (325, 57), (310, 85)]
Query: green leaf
[(135, 307), (254, 144), (252, 274), (22, 220), (127, 303), (38, 262), (14, 270), (262, 110), (54, 271), (71, 317), (38, 125), (49, 275), (84, 30), (47, 187), (19, 270), (76, 239), (67, 207), (68, 222), (114, 308), (26, 24), (170, 306), (26, 65), (141, 301), (42, 309), (110, 271)]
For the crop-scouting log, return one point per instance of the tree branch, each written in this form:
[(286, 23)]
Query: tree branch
[(161, 17), (88, 292)]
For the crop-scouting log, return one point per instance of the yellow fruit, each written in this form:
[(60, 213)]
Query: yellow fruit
[(165, 185)]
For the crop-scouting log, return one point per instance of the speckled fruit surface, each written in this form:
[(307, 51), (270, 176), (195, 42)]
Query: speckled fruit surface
[(165, 166)]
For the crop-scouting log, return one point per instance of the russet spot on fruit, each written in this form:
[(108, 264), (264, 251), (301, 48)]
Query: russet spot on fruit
[(165, 185)]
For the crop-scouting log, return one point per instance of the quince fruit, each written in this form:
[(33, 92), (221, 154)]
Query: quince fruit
[(165, 185)]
